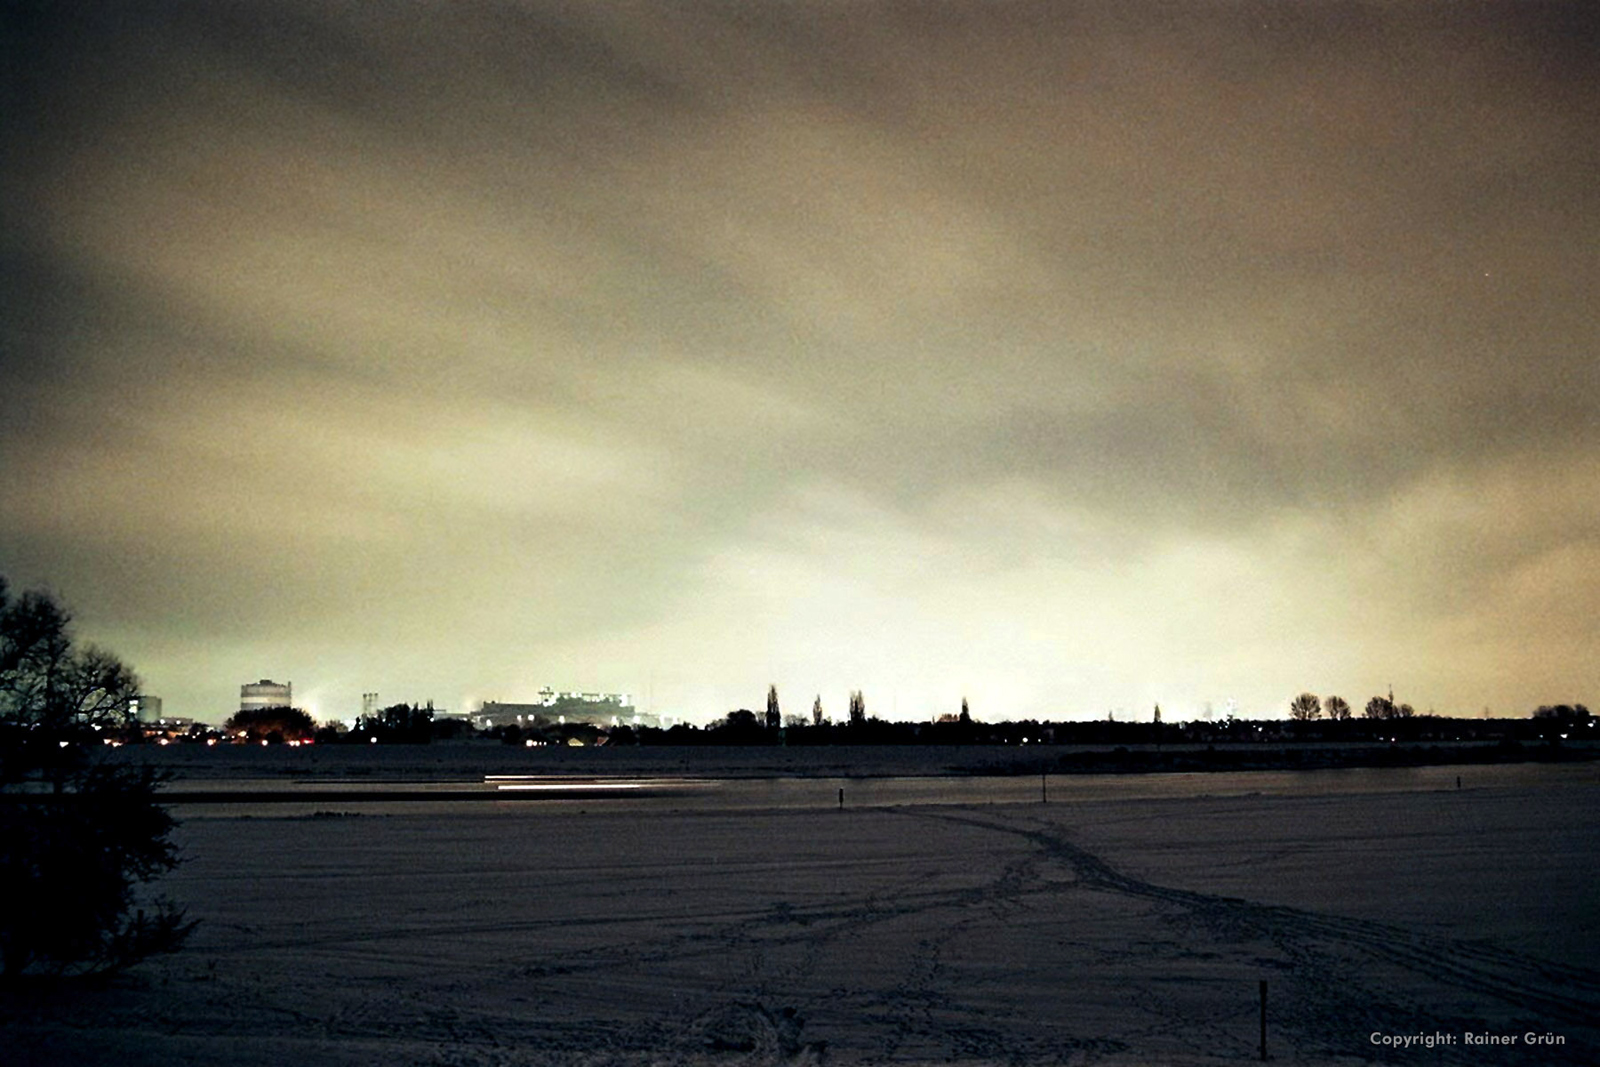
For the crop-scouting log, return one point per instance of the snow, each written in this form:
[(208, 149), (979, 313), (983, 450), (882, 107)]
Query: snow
[(754, 928)]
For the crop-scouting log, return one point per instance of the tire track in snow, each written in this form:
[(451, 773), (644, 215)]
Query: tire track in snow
[(1554, 990)]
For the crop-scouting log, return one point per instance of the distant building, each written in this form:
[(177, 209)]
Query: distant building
[(549, 698), (556, 709), (167, 727), (145, 708), (369, 705), (265, 694)]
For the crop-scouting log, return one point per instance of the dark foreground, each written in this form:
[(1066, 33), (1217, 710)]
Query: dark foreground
[(1114, 931)]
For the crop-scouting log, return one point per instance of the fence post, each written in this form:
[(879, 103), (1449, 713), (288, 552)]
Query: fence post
[(1263, 1019)]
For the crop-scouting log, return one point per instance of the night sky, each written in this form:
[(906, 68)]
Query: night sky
[(1072, 358)]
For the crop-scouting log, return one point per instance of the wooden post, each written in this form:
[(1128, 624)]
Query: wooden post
[(1263, 1019), (1044, 790), (841, 798)]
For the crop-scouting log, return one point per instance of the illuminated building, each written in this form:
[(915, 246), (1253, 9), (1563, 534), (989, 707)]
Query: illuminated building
[(555, 709), (264, 694)]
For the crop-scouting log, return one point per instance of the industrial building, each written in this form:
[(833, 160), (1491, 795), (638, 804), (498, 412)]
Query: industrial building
[(266, 693), (603, 710), (550, 698)]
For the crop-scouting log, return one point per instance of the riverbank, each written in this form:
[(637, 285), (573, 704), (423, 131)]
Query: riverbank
[(449, 760)]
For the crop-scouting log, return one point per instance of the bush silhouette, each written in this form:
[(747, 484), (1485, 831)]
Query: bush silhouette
[(77, 837)]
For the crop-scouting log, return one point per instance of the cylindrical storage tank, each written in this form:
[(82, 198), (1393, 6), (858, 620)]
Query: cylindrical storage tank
[(264, 694)]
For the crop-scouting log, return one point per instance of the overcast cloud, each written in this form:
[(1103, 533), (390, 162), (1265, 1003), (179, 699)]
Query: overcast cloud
[(1068, 357)]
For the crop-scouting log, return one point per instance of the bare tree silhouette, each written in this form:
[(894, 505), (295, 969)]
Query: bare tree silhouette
[(76, 836), (1305, 707)]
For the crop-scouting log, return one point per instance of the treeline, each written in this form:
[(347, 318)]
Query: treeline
[(396, 724), (1385, 722), (743, 728)]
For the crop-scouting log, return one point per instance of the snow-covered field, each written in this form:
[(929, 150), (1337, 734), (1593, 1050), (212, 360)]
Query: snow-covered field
[(1112, 931)]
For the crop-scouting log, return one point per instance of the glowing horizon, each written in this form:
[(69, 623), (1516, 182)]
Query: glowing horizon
[(1068, 360)]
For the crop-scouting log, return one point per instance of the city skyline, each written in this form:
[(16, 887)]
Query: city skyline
[(372, 701), (1066, 359)]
